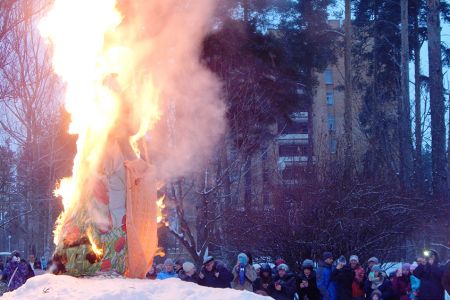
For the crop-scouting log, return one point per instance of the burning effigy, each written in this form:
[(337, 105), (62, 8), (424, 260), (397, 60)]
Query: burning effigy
[(144, 109)]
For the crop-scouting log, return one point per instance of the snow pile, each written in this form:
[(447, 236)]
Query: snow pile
[(50, 286)]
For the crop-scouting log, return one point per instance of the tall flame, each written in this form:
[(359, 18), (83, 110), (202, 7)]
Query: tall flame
[(97, 66)]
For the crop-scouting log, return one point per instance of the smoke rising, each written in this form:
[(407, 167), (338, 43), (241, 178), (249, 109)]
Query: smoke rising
[(167, 48)]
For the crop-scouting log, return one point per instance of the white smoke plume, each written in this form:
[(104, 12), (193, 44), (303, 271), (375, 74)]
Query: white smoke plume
[(168, 50)]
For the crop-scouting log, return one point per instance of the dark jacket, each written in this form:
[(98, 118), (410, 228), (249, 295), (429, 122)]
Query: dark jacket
[(183, 276), (210, 279), (387, 290), (16, 274), (311, 292), (288, 289), (344, 280), (402, 287), (430, 281), (263, 283)]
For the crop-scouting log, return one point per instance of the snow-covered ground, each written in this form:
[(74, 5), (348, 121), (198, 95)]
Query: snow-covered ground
[(49, 286)]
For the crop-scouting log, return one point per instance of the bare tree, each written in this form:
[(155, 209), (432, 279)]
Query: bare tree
[(30, 109)]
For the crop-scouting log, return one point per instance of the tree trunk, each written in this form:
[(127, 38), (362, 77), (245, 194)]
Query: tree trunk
[(348, 116), (418, 163), (438, 156), (405, 139)]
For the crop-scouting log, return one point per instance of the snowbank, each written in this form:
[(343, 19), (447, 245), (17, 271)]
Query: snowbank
[(50, 286)]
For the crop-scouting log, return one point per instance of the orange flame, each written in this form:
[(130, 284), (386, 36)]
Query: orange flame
[(97, 251), (98, 66), (160, 204)]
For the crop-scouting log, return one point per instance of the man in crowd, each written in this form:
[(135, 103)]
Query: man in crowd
[(264, 281), (283, 285), (324, 284), (430, 274), (343, 276), (179, 265), (214, 274), (306, 282)]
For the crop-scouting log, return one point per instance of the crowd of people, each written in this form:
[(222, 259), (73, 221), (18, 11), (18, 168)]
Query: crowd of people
[(329, 279)]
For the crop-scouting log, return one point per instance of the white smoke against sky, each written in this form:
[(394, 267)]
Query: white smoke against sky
[(168, 49)]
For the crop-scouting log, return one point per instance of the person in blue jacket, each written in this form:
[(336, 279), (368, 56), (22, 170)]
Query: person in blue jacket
[(324, 283), (169, 270)]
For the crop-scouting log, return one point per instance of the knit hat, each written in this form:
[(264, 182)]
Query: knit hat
[(283, 267), (355, 258), (188, 266), (307, 263), (15, 253), (327, 255), (208, 259), (279, 262), (373, 259), (376, 268), (266, 268), (242, 258), (168, 262)]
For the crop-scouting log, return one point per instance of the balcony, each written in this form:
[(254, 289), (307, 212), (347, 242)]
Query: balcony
[(300, 116), (284, 161), (297, 138)]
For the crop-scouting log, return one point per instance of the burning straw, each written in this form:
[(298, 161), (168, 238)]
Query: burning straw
[(144, 110)]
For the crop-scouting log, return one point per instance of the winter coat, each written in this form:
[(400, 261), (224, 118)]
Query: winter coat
[(16, 274), (311, 292), (344, 280), (358, 282), (402, 287), (183, 276), (263, 283), (387, 292), (380, 283), (415, 287), (250, 276), (324, 284), (430, 281), (446, 278), (166, 275), (288, 288), (210, 279)]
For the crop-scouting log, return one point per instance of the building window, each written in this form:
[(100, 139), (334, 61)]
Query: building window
[(333, 146), (291, 172), (330, 98), (331, 123), (328, 76), (292, 150), (291, 127)]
